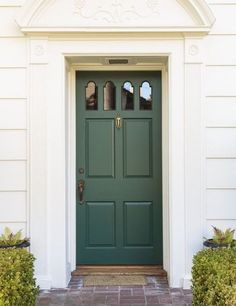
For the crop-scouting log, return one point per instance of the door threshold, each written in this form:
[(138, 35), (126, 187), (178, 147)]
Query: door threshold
[(151, 270)]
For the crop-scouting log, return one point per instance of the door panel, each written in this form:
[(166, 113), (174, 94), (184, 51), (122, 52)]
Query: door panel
[(137, 147), (120, 219), (100, 147), (100, 216), (138, 224)]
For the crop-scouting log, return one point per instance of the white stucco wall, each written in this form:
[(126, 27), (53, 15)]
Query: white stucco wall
[(218, 136)]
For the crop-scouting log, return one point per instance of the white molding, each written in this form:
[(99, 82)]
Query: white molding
[(202, 11), (29, 9), (194, 155), (66, 30), (71, 144), (72, 150), (194, 52), (165, 169), (69, 269), (176, 168), (37, 180), (95, 67), (187, 282), (198, 10), (57, 199), (44, 281), (38, 51)]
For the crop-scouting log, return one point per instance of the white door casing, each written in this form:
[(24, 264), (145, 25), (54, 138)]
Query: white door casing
[(54, 44)]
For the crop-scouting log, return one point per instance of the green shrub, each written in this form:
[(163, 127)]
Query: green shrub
[(9, 239), (214, 277), (223, 237), (17, 283)]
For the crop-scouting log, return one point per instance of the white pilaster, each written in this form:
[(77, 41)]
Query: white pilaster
[(176, 166), (193, 151), (57, 172), (38, 158)]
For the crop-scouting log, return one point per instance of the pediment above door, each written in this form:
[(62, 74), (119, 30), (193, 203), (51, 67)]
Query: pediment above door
[(50, 16)]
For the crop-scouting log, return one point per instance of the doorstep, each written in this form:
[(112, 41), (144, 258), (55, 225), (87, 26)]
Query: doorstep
[(83, 270), (156, 292)]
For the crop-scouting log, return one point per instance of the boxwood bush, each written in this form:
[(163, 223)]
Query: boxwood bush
[(17, 283), (214, 277)]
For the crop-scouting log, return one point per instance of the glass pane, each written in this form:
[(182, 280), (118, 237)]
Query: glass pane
[(91, 96), (109, 96), (127, 96), (145, 97)]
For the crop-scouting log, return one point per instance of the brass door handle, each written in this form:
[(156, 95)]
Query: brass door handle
[(81, 188)]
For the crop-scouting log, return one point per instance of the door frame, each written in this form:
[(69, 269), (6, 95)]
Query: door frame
[(50, 175), (71, 70), (72, 155)]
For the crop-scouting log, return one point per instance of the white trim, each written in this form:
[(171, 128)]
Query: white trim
[(56, 198), (72, 155), (187, 283), (198, 9), (72, 168), (95, 67), (44, 281), (63, 30), (165, 169), (28, 149)]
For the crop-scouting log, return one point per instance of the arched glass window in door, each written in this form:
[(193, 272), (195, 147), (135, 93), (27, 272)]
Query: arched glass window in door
[(127, 96), (91, 96), (109, 96), (145, 96)]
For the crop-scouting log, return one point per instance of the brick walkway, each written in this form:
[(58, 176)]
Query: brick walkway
[(157, 292)]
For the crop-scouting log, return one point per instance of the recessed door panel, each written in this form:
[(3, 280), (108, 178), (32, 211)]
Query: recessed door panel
[(100, 219), (137, 147), (138, 224), (100, 147)]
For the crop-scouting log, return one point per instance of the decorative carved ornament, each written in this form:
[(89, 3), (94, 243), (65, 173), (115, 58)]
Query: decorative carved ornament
[(193, 50), (115, 11), (39, 50), (117, 15)]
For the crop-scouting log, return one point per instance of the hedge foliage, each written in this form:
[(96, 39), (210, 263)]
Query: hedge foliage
[(17, 283), (214, 277)]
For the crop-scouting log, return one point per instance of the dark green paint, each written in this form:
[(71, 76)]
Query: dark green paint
[(138, 147), (100, 155), (138, 224), (121, 219), (100, 215)]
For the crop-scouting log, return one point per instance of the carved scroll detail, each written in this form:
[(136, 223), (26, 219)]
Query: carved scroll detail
[(115, 11)]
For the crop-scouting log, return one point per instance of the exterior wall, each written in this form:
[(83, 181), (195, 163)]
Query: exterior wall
[(13, 121), (16, 164), (220, 119), (218, 137)]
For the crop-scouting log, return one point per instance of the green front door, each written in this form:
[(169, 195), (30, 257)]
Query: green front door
[(119, 168)]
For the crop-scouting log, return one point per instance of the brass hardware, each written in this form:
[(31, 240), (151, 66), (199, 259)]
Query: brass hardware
[(81, 170), (118, 122), (81, 191)]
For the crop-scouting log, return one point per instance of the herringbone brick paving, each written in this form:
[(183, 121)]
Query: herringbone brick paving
[(156, 292)]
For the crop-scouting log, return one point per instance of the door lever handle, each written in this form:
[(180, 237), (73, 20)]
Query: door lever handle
[(81, 188)]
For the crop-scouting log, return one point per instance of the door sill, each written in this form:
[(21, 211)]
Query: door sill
[(151, 270)]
